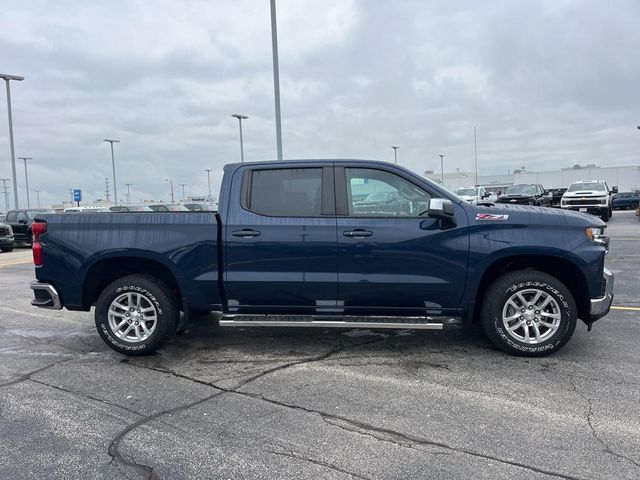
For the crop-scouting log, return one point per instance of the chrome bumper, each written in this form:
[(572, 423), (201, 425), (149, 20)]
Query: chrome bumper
[(46, 296), (600, 306)]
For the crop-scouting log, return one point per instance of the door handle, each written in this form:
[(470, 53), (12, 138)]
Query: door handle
[(357, 233), (245, 233)]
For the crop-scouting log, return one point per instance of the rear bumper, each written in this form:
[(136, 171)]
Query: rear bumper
[(601, 306), (46, 296)]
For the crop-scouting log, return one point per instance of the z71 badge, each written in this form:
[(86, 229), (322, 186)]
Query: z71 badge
[(491, 216)]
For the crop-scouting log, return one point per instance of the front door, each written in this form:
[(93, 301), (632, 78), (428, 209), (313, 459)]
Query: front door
[(391, 259), (280, 240)]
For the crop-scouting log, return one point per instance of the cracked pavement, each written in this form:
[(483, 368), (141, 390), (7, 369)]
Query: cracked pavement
[(313, 403)]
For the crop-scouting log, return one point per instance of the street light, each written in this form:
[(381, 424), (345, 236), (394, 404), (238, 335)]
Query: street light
[(38, 197), (171, 182), (128, 185), (113, 165), (442, 170), (209, 181), (26, 178), (8, 78), (240, 118), (184, 199), (5, 190), (395, 154), (276, 77)]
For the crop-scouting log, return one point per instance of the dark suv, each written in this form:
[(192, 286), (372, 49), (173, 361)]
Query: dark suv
[(526, 194), (6, 237), (21, 220)]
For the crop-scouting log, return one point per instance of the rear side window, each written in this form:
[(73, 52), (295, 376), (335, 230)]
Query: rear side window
[(286, 192)]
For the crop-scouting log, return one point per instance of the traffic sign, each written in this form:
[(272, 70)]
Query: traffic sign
[(77, 195)]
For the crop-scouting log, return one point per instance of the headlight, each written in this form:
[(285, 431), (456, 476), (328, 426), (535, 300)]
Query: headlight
[(603, 201), (596, 235)]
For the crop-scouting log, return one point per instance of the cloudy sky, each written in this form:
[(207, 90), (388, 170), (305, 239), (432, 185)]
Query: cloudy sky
[(548, 84)]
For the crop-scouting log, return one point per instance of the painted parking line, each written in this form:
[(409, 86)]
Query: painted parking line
[(10, 264), (633, 309)]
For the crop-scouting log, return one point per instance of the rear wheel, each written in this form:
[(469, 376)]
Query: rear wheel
[(136, 315), (528, 313)]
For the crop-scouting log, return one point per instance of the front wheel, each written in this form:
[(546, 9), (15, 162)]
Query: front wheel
[(7, 249), (605, 215), (136, 315), (528, 313)]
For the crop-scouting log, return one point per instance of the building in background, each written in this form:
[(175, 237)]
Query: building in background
[(627, 179)]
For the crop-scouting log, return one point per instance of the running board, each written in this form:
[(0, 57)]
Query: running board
[(329, 324)]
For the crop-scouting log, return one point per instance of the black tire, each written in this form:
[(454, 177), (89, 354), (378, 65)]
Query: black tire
[(7, 249), (634, 205), (528, 282), (148, 292), (605, 216)]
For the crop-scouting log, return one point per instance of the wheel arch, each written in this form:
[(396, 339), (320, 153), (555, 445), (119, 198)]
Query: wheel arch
[(560, 268), (106, 269)]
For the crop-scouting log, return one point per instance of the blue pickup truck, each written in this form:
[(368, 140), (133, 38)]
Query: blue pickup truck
[(294, 244)]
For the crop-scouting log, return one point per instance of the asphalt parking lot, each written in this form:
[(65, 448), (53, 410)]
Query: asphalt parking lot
[(312, 403)]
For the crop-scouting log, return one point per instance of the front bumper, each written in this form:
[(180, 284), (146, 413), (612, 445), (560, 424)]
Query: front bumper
[(593, 209), (7, 241), (46, 296), (601, 306)]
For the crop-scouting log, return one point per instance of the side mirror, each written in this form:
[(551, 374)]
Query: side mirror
[(486, 195), (440, 208), (614, 190), (22, 222)]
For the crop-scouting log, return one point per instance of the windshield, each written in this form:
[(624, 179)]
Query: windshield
[(521, 190), (467, 192), (586, 186)]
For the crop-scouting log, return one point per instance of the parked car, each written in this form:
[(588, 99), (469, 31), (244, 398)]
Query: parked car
[(160, 207), (476, 195), (526, 194), (592, 196), (130, 208), (21, 220), (625, 200), (6, 237), (86, 210), (556, 196), (202, 207), (288, 241)]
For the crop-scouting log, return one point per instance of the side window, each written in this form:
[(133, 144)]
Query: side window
[(286, 192), (377, 193), (12, 217)]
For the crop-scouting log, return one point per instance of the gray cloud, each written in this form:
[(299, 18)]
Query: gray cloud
[(548, 83)]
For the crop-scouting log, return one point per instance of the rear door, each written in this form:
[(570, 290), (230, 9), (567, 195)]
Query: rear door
[(19, 222), (280, 240), (391, 260)]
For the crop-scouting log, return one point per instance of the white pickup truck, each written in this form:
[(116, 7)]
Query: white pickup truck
[(592, 196)]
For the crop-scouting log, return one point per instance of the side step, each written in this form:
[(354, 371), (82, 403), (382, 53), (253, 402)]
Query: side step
[(423, 324)]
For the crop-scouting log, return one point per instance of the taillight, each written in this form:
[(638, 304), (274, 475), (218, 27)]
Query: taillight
[(37, 228)]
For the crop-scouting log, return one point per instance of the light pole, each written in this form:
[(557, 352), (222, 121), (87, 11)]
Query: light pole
[(7, 78), (209, 181), (5, 189), (276, 77), (475, 156), (184, 199), (113, 165), (442, 170), (240, 118), (128, 185), (26, 178), (38, 197), (171, 182), (395, 154)]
